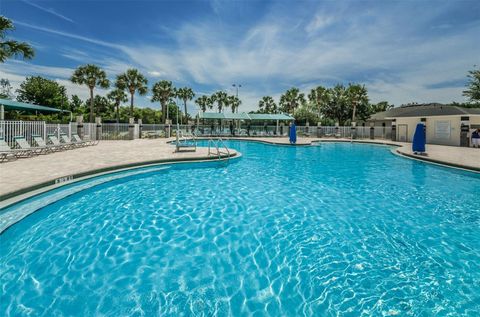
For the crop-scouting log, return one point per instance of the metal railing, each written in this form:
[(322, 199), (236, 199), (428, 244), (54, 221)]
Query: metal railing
[(115, 131), (120, 131), (10, 129), (216, 143)]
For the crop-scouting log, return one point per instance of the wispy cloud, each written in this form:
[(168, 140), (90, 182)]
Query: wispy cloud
[(49, 10), (69, 35)]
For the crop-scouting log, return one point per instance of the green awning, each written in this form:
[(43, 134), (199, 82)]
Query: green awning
[(245, 116), (236, 116), (15, 105), (211, 115), (268, 116)]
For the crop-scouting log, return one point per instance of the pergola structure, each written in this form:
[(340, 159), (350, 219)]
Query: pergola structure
[(246, 117), (6, 104)]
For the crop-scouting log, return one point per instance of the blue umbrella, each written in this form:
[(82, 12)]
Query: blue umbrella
[(293, 133), (418, 145)]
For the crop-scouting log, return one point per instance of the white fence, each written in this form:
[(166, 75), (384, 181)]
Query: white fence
[(120, 131)]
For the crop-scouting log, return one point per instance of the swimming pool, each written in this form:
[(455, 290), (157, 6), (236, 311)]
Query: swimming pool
[(327, 230)]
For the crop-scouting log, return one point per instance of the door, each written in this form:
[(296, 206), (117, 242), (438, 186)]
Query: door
[(402, 133)]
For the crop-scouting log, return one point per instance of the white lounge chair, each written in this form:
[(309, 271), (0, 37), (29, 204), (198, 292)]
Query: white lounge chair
[(24, 145), (76, 139), (7, 153), (40, 142), (64, 139), (55, 141)]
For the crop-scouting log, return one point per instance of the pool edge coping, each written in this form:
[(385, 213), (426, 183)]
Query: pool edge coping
[(428, 160), (11, 198)]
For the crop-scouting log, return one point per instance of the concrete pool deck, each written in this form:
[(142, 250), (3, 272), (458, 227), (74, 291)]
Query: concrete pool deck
[(23, 175), (27, 174)]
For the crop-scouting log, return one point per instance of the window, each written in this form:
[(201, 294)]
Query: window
[(442, 129)]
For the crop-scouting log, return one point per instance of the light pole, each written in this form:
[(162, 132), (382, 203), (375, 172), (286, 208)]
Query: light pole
[(237, 86)]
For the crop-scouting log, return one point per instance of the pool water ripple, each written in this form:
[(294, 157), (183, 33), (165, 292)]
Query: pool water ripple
[(329, 230)]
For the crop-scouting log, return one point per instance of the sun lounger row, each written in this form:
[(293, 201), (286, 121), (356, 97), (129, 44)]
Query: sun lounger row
[(40, 146)]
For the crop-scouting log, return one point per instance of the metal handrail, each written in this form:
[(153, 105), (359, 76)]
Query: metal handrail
[(217, 143)]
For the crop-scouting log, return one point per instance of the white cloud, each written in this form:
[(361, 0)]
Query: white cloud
[(49, 10), (319, 22)]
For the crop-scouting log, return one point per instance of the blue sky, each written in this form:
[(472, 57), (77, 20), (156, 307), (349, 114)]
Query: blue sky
[(403, 51)]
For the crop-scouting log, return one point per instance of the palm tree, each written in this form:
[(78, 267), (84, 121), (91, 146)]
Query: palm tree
[(133, 81), (117, 96), (204, 102), (356, 94), (234, 102), (92, 76), (291, 99), (267, 105), (11, 48), (221, 98), (163, 92), (185, 94), (319, 97)]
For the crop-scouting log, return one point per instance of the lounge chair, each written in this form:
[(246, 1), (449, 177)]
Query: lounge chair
[(64, 139), (55, 141), (24, 145), (7, 153), (76, 139), (40, 142)]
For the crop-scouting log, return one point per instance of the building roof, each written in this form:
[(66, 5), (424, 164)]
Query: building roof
[(22, 106), (244, 116), (424, 110), (211, 115)]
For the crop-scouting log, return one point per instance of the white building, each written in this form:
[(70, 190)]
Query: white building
[(444, 125)]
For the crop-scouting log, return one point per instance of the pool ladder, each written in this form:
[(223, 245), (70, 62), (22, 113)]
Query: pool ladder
[(216, 147)]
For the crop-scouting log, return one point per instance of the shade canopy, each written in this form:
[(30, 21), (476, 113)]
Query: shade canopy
[(245, 116), (22, 106)]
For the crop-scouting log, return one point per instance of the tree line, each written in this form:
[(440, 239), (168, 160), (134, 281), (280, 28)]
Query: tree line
[(337, 104)]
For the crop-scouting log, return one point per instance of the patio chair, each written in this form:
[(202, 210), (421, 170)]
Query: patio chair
[(86, 139), (24, 145), (40, 142), (65, 139), (7, 153), (55, 141)]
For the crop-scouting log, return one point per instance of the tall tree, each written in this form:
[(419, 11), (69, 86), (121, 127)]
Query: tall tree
[(117, 96), (221, 98), (473, 85), (380, 107), (91, 76), (204, 103), (5, 89), (132, 81), (318, 96), (267, 105), (103, 107), (337, 106), (75, 104), (10, 48), (42, 91), (291, 100), (185, 94), (234, 102), (163, 92), (358, 98)]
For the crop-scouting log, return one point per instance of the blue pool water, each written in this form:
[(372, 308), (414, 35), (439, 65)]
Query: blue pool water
[(329, 230)]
